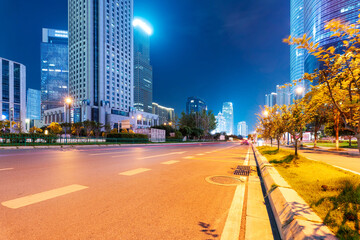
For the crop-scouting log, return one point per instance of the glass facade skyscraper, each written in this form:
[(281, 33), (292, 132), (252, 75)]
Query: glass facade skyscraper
[(33, 104), (317, 13), (166, 115), (143, 76), (195, 104), (54, 68), (228, 114), (13, 91)]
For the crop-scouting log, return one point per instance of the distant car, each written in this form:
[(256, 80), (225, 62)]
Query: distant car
[(244, 142)]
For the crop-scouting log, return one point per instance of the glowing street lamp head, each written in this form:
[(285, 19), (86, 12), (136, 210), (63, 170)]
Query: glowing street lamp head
[(144, 26), (299, 90), (266, 113), (68, 100)]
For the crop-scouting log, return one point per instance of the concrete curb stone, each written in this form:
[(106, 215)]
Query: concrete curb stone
[(294, 217)]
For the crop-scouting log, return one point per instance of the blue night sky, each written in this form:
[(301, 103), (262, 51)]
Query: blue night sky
[(219, 50)]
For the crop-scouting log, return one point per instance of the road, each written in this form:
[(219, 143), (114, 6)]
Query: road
[(152, 192)]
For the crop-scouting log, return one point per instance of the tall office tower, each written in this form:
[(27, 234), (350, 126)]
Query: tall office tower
[(242, 129), (220, 123), (317, 14), (195, 104), (54, 68), (166, 115), (143, 76), (33, 106), (297, 55), (228, 113), (101, 59), (270, 99), (13, 91)]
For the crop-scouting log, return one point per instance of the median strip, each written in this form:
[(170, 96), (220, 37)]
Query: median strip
[(40, 197), (134, 172)]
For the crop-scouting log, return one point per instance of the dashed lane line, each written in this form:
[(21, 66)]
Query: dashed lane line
[(6, 169), (134, 172), (170, 162), (161, 155), (40, 197), (200, 154), (188, 157)]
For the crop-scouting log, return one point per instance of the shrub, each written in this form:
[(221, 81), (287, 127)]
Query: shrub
[(118, 137)]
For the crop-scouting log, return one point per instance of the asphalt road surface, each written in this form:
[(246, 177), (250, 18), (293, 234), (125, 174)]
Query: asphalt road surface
[(150, 192)]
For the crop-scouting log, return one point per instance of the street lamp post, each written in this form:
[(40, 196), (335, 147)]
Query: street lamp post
[(68, 102)]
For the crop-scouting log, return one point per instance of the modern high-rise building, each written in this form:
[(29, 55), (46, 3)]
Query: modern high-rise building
[(101, 60), (166, 115), (283, 95), (195, 104), (228, 113), (220, 123), (13, 92), (143, 75), (33, 104), (242, 129), (310, 17), (54, 68), (270, 99)]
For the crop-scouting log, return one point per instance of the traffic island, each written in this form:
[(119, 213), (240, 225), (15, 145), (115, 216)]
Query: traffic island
[(308, 197)]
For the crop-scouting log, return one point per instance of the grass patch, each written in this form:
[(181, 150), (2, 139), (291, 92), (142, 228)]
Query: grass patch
[(333, 145), (332, 193)]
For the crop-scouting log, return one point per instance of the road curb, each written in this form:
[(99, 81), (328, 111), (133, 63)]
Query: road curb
[(294, 217)]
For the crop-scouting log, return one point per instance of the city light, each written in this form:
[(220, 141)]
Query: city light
[(68, 100), (3, 117), (299, 90), (144, 26), (266, 113), (139, 117)]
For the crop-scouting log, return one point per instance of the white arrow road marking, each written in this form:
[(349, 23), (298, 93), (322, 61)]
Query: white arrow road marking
[(134, 172), (162, 155), (39, 197)]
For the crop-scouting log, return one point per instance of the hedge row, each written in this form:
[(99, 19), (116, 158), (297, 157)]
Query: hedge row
[(127, 135), (23, 137)]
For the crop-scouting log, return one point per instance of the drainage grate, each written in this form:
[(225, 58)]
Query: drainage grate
[(242, 170)]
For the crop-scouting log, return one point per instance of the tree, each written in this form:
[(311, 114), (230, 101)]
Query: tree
[(55, 128), (35, 130), (76, 128), (339, 71)]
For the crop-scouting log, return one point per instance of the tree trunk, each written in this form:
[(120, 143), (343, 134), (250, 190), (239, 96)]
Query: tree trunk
[(278, 143), (271, 141), (337, 120), (350, 137), (296, 146), (358, 140), (315, 138)]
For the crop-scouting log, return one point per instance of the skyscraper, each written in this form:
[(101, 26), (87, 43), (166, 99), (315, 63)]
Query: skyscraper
[(54, 68), (33, 104), (101, 59), (283, 95), (242, 129), (195, 104), (13, 91), (228, 113), (220, 123), (271, 99), (143, 76)]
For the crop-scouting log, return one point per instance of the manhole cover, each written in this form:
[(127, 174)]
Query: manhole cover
[(224, 180)]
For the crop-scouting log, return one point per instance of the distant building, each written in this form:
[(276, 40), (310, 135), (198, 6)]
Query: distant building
[(220, 123), (54, 68), (195, 104), (242, 129), (13, 91), (270, 99), (166, 115), (228, 113), (283, 95), (143, 75), (33, 107)]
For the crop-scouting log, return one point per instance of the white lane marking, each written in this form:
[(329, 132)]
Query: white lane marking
[(170, 162), (208, 152), (345, 169), (6, 169), (200, 154), (246, 162), (125, 155), (108, 153), (134, 172), (162, 155), (188, 157), (233, 222), (39, 197)]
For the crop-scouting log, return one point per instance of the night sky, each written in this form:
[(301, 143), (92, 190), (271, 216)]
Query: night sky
[(219, 50)]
